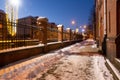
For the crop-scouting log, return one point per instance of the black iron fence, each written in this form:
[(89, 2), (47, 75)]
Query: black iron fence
[(52, 34), (65, 35), (14, 35)]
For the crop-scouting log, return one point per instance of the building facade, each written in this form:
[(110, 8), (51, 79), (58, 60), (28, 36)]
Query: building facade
[(99, 21), (3, 28), (31, 27), (26, 27), (108, 26)]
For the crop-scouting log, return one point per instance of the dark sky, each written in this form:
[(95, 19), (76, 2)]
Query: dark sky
[(58, 11)]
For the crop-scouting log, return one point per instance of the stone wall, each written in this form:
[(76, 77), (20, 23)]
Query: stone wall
[(16, 54)]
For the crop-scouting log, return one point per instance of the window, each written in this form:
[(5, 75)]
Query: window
[(109, 16), (0, 17)]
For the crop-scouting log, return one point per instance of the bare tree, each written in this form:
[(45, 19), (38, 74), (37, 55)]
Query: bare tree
[(92, 22)]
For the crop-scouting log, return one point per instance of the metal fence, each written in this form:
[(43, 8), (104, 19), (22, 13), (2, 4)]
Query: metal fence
[(52, 34), (65, 35), (14, 35)]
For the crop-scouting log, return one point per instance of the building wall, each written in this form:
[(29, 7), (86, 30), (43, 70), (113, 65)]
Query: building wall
[(99, 21), (111, 28), (26, 27), (3, 28), (111, 25), (35, 30)]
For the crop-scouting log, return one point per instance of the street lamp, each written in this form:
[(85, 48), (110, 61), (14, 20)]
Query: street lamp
[(73, 22), (76, 28), (85, 26), (83, 30), (80, 27)]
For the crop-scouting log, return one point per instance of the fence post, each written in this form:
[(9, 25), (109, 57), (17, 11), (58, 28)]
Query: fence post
[(60, 33), (69, 34), (43, 23), (73, 35), (76, 33)]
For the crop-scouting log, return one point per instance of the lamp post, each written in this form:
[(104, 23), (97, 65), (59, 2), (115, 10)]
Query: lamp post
[(73, 23)]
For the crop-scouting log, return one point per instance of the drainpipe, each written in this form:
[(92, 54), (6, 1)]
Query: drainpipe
[(104, 45), (105, 17)]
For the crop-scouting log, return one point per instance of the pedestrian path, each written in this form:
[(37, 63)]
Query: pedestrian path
[(76, 67), (80, 61)]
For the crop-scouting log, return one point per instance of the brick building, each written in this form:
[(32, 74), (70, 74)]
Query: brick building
[(100, 21), (30, 25), (108, 26), (26, 27), (3, 27)]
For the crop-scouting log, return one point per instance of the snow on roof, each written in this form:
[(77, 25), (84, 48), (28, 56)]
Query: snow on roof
[(60, 25), (67, 28), (42, 18)]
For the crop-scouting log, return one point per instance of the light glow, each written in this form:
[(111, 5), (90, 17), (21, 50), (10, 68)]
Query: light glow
[(80, 26), (85, 26), (14, 3), (73, 22), (83, 30), (77, 30)]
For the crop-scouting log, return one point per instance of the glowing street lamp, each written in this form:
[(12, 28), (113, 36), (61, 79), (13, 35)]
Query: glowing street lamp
[(73, 22), (83, 30), (85, 26), (80, 26), (77, 30)]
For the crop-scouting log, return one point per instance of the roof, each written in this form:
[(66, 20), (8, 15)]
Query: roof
[(1, 11)]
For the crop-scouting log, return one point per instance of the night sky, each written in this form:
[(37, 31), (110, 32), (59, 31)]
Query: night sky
[(58, 11)]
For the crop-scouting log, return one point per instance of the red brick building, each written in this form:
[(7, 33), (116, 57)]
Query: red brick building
[(100, 21), (108, 23), (26, 27), (31, 28), (3, 27)]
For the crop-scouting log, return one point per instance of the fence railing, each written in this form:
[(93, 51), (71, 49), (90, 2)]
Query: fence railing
[(14, 35), (52, 34)]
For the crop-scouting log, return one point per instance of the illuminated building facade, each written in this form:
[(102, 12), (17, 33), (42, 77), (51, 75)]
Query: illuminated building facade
[(3, 29)]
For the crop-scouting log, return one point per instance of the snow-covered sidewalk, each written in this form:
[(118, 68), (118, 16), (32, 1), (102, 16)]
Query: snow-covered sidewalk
[(80, 61), (76, 67)]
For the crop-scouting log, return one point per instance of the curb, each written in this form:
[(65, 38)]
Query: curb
[(113, 70)]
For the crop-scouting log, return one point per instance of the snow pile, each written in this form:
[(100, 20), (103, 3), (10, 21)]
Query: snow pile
[(31, 68), (100, 68), (89, 40), (88, 48)]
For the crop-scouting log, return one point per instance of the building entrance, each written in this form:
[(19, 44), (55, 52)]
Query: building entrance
[(118, 29)]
